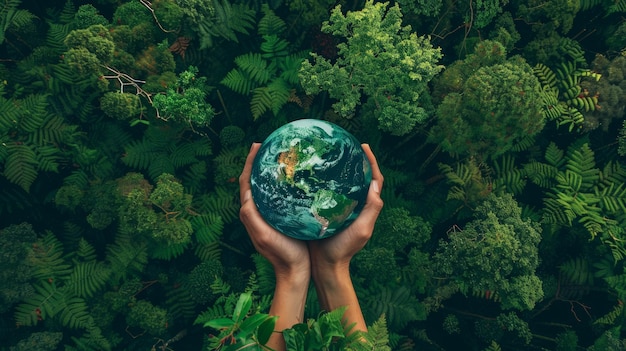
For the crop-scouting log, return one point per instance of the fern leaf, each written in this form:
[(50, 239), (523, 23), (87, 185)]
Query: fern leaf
[(45, 303), (74, 313), (261, 101), (378, 334), (509, 177), (273, 47), (554, 156), (21, 165), (208, 227), (48, 158), (139, 154), (126, 257), (160, 165), (47, 259), (255, 67), (541, 174), (208, 252), (576, 271), (270, 23), (87, 278), (222, 202), (545, 75), (35, 108), (581, 161), (613, 198), (169, 251), (179, 304), (493, 347), (556, 213), (238, 81), (398, 305), (609, 318), (266, 279), (280, 92)]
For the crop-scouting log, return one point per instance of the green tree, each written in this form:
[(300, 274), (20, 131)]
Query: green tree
[(486, 113), (380, 62), (497, 251), (186, 101)]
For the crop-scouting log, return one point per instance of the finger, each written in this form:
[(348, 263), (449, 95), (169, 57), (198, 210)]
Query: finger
[(376, 173), (244, 178)]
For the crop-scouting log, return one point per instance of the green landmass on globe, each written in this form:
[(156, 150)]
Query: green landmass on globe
[(310, 179)]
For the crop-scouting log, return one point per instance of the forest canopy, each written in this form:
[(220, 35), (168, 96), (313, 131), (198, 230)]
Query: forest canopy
[(498, 125)]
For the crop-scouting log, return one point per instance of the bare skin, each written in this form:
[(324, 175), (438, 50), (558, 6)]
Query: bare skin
[(326, 260)]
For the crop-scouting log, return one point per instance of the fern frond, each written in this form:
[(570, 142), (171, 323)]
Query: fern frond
[(261, 101), (159, 165), (34, 109), (554, 156), (87, 278), (613, 172), (494, 346), (44, 303), (266, 279), (290, 67), (222, 201), (255, 67), (270, 23), (74, 313), (238, 81), (208, 252), (576, 271), (545, 75), (617, 6), (555, 213), (541, 174), (183, 154), (612, 198), (168, 251), (280, 92), (179, 304), (126, 258), (48, 158), (581, 161), (378, 334), (47, 260), (273, 47), (398, 305), (509, 177), (21, 163), (609, 318), (139, 154), (208, 227)]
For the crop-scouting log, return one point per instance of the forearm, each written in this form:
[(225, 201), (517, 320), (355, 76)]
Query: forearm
[(288, 305), (335, 289)]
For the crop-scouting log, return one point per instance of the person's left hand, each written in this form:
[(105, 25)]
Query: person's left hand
[(287, 255)]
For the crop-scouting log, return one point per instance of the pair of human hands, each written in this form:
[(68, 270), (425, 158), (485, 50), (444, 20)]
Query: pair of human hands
[(291, 256)]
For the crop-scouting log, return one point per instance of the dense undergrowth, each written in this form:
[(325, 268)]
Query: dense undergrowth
[(498, 125)]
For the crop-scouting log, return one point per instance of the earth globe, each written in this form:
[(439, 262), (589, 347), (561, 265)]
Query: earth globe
[(310, 179)]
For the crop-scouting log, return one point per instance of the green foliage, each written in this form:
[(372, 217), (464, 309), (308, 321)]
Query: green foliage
[(31, 139), (381, 62), (161, 151), (12, 17), (497, 106), (268, 76), (186, 101), (563, 96), (147, 317), (123, 106), (217, 19), (496, 251), (15, 272)]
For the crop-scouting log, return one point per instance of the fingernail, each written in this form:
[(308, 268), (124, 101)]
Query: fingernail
[(247, 195), (375, 187)]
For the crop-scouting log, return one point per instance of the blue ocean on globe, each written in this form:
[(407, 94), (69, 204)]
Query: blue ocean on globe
[(310, 179)]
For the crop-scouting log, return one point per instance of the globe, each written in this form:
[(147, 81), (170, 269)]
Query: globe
[(310, 179)]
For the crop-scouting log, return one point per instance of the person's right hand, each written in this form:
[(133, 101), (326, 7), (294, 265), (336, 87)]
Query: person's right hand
[(288, 256), (339, 249)]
